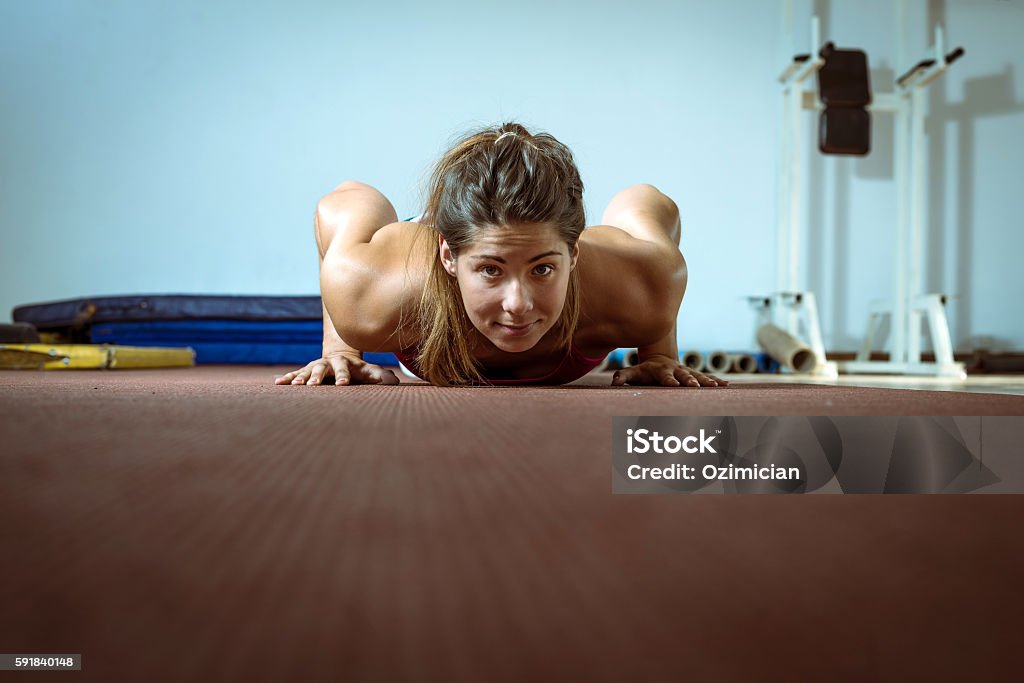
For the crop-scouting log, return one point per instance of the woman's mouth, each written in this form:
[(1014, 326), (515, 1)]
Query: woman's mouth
[(516, 330)]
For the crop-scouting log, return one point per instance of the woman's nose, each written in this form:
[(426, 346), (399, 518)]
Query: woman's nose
[(518, 299)]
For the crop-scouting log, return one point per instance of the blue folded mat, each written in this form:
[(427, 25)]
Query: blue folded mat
[(221, 329)]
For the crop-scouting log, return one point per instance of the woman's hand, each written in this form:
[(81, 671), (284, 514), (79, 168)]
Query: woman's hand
[(344, 368), (665, 371)]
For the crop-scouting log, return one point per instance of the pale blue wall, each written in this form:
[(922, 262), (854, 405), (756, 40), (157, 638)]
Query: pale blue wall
[(164, 147)]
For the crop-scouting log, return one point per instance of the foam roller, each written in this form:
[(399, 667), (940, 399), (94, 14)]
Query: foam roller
[(717, 361), (744, 363), (693, 360), (786, 349)]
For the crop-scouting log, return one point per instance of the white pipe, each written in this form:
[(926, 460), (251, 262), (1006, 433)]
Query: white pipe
[(744, 363), (717, 361), (787, 349), (791, 276), (693, 360), (899, 304)]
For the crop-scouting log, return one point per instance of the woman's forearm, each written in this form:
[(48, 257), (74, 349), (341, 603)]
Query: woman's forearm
[(671, 292), (666, 346), (333, 343)]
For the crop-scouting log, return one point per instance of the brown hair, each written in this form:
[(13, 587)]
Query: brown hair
[(492, 177)]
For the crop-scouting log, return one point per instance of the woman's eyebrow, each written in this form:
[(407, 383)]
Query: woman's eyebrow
[(501, 260)]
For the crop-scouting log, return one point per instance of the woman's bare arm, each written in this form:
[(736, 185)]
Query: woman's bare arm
[(343, 223), (651, 221), (369, 288)]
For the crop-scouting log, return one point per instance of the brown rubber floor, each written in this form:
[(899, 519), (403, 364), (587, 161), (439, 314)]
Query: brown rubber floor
[(204, 524)]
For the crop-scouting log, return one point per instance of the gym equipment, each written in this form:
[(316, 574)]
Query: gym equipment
[(717, 361), (693, 360), (846, 130), (18, 332), (91, 356), (796, 310), (789, 351), (743, 363), (221, 329), (844, 88)]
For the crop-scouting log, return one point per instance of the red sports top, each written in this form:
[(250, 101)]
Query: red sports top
[(573, 366)]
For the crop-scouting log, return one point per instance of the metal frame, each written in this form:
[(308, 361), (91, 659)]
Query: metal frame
[(910, 306), (789, 307)]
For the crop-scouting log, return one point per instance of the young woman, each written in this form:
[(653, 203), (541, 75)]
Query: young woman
[(498, 282)]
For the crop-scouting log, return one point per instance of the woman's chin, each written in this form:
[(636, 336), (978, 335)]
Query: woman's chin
[(514, 345)]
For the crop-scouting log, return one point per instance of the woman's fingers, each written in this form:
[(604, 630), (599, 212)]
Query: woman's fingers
[(698, 379), (684, 377), (692, 378), (711, 381), (622, 376), (668, 377), (374, 374), (341, 373), (389, 377), (311, 374), (316, 375)]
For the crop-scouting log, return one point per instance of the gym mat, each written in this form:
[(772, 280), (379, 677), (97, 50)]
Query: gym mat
[(72, 313), (205, 524), (221, 329), (79, 356)]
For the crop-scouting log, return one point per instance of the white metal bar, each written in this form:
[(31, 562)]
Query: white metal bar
[(952, 370), (810, 309), (938, 326), (782, 191), (915, 281), (899, 312), (914, 336), (908, 304), (884, 102), (940, 65), (791, 282), (865, 348)]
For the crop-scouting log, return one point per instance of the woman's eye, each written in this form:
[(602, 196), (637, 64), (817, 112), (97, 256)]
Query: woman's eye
[(490, 271), (548, 269)]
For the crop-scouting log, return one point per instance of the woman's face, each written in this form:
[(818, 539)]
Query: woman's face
[(513, 281)]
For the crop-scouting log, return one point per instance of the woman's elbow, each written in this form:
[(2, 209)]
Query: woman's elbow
[(671, 296), (673, 280), (678, 273)]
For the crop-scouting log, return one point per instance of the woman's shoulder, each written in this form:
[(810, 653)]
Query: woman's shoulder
[(626, 284), (398, 245), (606, 245), (382, 280)]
